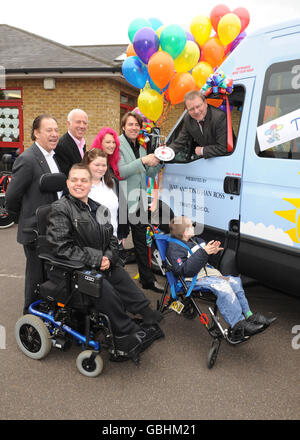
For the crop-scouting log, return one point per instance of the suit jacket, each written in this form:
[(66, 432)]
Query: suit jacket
[(134, 173), (67, 153), (23, 195), (213, 138)]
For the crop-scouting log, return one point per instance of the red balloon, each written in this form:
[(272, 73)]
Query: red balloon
[(244, 16), (216, 14)]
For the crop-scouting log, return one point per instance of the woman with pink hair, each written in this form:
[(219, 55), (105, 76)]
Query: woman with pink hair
[(108, 141)]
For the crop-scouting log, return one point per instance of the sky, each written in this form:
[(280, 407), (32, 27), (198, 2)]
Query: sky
[(92, 22)]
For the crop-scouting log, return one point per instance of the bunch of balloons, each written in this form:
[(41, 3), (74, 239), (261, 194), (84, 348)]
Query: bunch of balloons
[(165, 61)]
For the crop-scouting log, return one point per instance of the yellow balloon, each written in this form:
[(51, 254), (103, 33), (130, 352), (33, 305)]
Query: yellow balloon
[(188, 58), (201, 72), (201, 29), (151, 104), (229, 28), (159, 31)]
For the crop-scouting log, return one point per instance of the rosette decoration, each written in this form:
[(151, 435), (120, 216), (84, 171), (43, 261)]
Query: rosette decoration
[(216, 89), (218, 84)]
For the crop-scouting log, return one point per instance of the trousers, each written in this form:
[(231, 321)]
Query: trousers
[(142, 252), (120, 295), (231, 299), (33, 274)]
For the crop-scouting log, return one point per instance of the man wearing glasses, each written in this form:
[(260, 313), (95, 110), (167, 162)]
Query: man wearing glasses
[(204, 128)]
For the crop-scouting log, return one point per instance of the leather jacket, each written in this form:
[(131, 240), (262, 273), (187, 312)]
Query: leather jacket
[(74, 233)]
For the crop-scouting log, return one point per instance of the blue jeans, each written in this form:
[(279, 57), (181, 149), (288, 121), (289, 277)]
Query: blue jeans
[(231, 299)]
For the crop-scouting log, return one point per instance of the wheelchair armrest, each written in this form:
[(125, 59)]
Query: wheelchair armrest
[(60, 262)]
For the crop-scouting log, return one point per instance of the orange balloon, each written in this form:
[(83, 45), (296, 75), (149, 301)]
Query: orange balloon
[(213, 52), (161, 68), (180, 84), (130, 52)]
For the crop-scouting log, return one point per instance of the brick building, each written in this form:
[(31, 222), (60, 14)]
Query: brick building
[(44, 76)]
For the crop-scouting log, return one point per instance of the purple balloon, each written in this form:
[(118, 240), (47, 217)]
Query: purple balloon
[(145, 43), (237, 41), (189, 36)]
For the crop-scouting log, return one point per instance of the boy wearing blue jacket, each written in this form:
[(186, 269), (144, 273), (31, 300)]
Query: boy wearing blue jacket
[(231, 299)]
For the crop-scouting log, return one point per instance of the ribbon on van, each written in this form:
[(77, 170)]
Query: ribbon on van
[(217, 88)]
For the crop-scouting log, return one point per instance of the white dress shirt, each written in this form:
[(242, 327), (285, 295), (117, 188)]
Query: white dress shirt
[(51, 163), (104, 195)]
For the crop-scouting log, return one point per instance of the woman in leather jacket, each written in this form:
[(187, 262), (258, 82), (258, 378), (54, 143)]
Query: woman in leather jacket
[(78, 229)]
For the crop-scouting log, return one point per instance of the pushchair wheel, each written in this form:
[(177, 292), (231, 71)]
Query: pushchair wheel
[(213, 353), (33, 337), (88, 364)]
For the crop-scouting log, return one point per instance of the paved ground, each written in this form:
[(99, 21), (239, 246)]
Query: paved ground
[(256, 380)]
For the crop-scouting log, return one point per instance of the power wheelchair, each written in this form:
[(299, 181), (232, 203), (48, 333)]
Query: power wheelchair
[(182, 297), (63, 314)]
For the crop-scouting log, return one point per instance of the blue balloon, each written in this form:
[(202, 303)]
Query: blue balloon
[(135, 72), (154, 86), (155, 23)]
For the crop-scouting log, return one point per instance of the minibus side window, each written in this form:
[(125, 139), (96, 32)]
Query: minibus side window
[(281, 96), (236, 101)]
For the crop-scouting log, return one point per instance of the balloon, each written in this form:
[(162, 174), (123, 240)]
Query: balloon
[(216, 14), (201, 72), (201, 29), (212, 52), (160, 29), (228, 28), (188, 58), (155, 23), (145, 43), (189, 36), (244, 17), (180, 84), (135, 72), (237, 41), (154, 86), (172, 40), (135, 25), (130, 52), (161, 68), (151, 104)]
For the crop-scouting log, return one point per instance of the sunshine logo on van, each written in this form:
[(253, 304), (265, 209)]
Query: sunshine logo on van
[(273, 132), (292, 215)]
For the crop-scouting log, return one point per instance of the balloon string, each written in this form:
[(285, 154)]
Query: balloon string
[(167, 107)]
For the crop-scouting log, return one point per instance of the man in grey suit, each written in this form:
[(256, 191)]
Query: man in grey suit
[(135, 164), (204, 128), (24, 195)]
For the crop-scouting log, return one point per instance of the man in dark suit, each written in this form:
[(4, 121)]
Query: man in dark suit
[(204, 128), (71, 146), (24, 195)]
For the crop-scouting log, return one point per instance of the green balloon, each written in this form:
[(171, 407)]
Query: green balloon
[(173, 40), (136, 25)]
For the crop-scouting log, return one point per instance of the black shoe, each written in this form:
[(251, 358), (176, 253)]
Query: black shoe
[(153, 286), (149, 334), (258, 318), (243, 329), (127, 347)]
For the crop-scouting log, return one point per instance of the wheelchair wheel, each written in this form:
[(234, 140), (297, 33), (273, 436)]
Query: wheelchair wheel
[(33, 337), (213, 353), (86, 366)]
